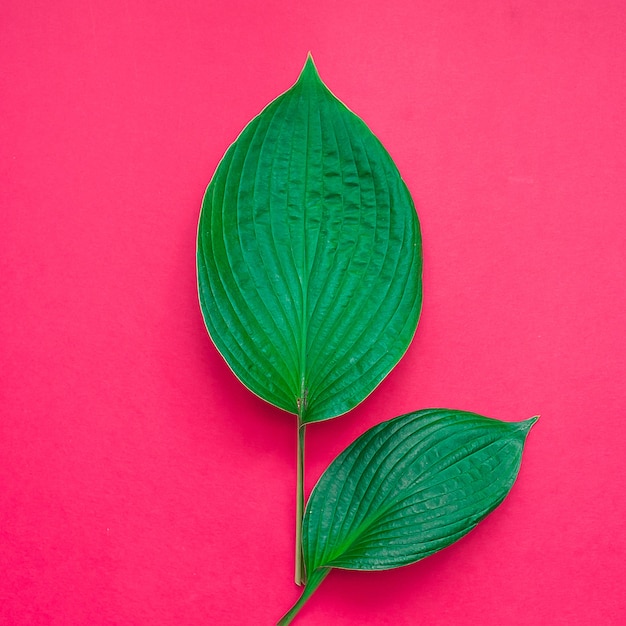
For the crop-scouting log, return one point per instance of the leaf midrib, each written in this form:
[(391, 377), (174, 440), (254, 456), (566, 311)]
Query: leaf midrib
[(304, 278)]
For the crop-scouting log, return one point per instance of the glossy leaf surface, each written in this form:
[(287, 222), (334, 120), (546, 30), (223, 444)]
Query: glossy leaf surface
[(409, 487), (309, 255)]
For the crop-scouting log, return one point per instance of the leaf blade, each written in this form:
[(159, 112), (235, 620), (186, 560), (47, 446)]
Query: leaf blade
[(410, 487), (309, 255)]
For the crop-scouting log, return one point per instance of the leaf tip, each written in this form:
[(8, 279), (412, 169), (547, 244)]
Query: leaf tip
[(309, 71), (526, 425)]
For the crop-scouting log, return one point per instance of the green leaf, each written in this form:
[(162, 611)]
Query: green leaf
[(409, 487), (405, 489), (309, 255)]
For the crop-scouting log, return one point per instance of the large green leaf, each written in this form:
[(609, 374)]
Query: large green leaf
[(409, 487), (309, 255)]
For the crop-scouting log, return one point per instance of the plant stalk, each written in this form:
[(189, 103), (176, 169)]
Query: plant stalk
[(312, 584), (300, 575)]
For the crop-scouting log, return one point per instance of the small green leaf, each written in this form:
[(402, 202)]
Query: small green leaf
[(309, 255), (409, 487), (405, 489)]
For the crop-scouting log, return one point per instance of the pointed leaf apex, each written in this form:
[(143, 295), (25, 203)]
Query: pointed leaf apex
[(309, 71), (526, 425)]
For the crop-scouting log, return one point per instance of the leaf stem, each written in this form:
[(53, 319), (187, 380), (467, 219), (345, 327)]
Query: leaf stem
[(312, 584), (300, 576)]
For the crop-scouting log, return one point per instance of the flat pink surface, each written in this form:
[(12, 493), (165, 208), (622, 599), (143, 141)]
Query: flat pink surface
[(140, 483)]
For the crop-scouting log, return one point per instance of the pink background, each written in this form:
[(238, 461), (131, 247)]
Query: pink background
[(139, 482)]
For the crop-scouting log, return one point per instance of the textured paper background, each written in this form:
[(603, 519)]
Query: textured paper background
[(139, 482)]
